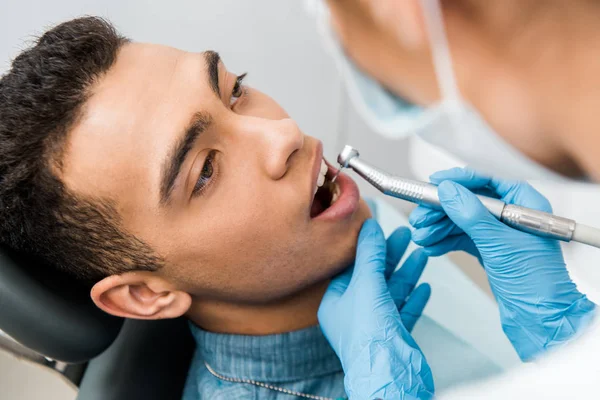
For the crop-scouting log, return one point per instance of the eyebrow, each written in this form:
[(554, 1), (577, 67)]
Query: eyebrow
[(212, 62), (199, 123), (172, 165)]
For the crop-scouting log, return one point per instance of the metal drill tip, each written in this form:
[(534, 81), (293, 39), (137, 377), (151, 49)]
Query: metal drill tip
[(346, 155), (336, 175)]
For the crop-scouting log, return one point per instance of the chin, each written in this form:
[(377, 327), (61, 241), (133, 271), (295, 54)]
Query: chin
[(346, 256), (364, 212), (324, 266)]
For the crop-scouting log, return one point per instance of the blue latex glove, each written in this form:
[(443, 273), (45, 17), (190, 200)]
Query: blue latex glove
[(360, 317), (540, 307)]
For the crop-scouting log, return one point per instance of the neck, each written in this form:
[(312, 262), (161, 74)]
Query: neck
[(571, 94), (295, 312), (541, 74)]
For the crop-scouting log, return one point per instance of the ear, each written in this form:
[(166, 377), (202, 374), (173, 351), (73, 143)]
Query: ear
[(140, 295)]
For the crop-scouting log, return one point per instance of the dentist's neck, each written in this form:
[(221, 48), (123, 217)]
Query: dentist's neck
[(293, 313), (571, 97), (538, 77)]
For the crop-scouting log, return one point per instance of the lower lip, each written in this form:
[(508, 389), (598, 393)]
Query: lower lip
[(347, 202)]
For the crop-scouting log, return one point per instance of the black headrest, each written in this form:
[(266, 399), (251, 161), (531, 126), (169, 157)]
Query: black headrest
[(149, 360), (51, 313)]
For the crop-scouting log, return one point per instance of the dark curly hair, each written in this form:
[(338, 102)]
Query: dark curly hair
[(41, 97)]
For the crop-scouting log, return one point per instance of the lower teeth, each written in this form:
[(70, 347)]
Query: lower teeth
[(336, 194)]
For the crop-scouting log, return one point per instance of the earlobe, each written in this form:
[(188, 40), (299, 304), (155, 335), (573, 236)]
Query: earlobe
[(140, 295)]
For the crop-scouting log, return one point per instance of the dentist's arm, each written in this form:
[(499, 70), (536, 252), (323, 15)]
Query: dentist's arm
[(540, 307), (360, 317)]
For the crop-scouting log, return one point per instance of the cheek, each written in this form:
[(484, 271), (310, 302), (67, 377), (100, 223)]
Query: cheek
[(236, 238)]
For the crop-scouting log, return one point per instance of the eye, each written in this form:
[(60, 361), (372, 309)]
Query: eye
[(238, 90), (206, 175)]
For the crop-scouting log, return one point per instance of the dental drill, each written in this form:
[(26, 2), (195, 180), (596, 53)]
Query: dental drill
[(524, 219)]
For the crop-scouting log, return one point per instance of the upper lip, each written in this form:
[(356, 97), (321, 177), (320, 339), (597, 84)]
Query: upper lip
[(315, 170)]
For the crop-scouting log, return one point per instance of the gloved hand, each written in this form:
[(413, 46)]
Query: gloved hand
[(360, 318), (540, 307)]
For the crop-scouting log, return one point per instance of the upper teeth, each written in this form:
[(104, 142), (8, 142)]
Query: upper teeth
[(321, 177)]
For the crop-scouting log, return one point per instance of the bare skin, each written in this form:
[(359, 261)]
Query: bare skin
[(530, 67), (242, 253)]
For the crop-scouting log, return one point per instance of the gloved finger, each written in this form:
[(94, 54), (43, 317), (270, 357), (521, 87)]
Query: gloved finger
[(435, 233), (424, 216), (371, 251), (405, 279), (464, 208), (338, 285), (396, 245), (413, 309), (452, 243), (511, 191), (467, 177), (520, 193)]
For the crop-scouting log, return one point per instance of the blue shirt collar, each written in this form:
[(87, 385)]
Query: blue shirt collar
[(284, 357)]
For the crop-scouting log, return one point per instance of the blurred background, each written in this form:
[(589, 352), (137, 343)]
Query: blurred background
[(277, 43)]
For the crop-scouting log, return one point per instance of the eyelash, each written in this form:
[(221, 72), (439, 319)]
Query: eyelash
[(238, 90), (208, 168)]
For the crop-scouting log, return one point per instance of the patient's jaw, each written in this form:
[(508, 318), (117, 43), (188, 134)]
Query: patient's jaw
[(234, 230)]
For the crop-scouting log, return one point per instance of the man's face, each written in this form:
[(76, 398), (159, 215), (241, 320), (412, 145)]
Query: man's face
[(212, 175)]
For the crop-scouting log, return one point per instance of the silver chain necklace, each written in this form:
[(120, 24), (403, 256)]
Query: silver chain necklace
[(268, 386)]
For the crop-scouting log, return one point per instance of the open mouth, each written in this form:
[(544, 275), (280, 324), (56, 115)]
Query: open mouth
[(326, 192)]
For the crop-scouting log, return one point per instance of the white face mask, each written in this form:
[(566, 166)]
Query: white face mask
[(451, 125)]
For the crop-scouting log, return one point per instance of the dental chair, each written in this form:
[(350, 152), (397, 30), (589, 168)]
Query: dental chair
[(51, 321)]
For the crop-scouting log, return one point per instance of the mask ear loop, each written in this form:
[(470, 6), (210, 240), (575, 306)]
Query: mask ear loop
[(451, 98), (440, 50)]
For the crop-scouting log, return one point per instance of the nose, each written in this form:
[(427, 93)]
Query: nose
[(279, 140)]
